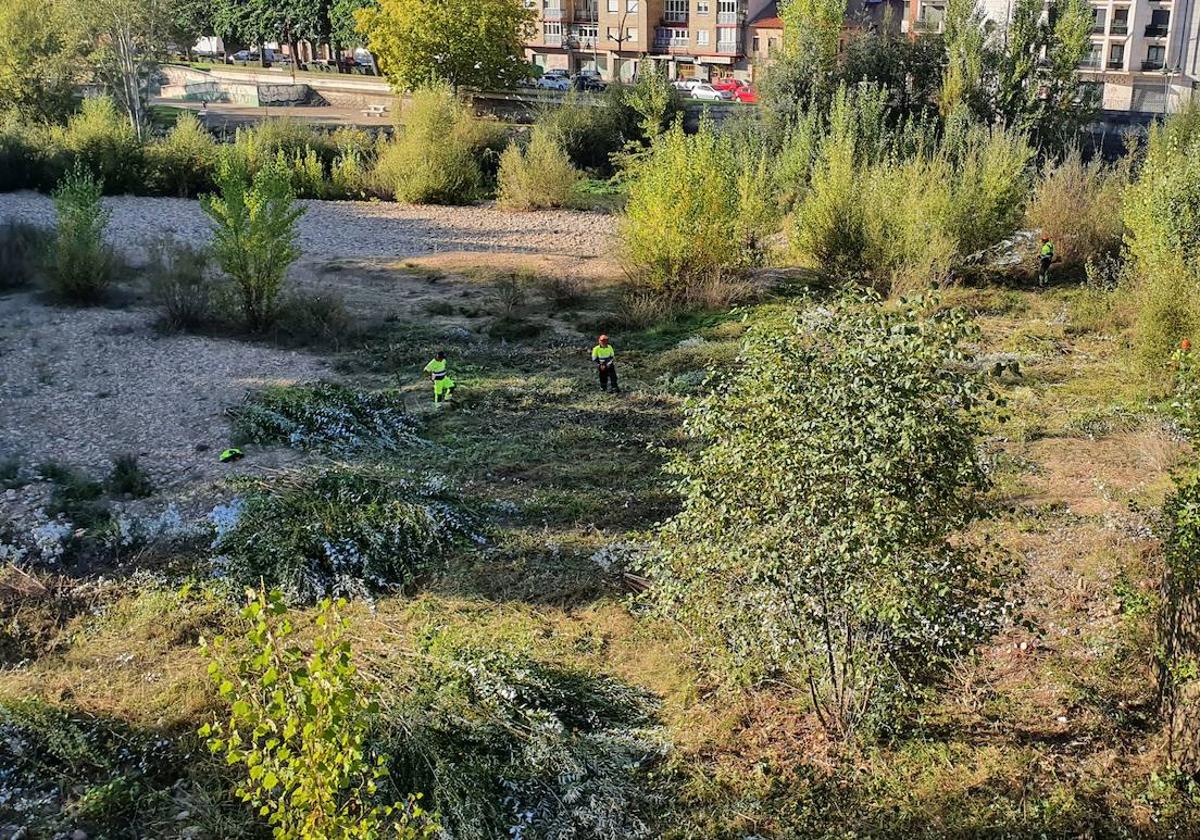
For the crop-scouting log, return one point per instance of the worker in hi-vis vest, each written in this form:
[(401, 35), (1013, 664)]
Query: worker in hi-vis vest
[(604, 357), (443, 385), (1045, 258)]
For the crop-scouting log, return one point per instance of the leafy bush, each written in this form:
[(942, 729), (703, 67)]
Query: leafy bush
[(539, 176), (327, 417), (299, 719), (179, 283), (698, 211), (341, 532), (254, 236), (23, 248), (182, 163), (655, 100), (1162, 219), (819, 542), (29, 156), (81, 263), (590, 132), (509, 746), (436, 156), (100, 139)]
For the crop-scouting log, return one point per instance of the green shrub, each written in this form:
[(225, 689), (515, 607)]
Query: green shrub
[(127, 478), (314, 320), (820, 541), (538, 177), (655, 100), (257, 146), (23, 249), (590, 132), (254, 236), (1162, 220), (307, 174), (349, 176), (81, 263), (339, 532), (1078, 205), (698, 213), (326, 417), (182, 163), (100, 139), (30, 157), (436, 155), (179, 283), (298, 724), (508, 745)]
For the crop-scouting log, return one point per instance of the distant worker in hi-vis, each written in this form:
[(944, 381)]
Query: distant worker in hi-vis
[(443, 385), (605, 360)]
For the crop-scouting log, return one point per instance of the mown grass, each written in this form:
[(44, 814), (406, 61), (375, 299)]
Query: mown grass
[(1051, 731)]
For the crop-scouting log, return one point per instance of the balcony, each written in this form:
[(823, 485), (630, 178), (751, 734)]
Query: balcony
[(1153, 64), (675, 17), (729, 47), (671, 40), (1115, 65), (552, 40), (580, 42), (1119, 29), (554, 14), (587, 14), (929, 27), (1090, 64), (728, 18), (1153, 31)]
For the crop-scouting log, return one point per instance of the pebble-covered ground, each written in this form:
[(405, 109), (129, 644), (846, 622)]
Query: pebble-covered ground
[(356, 230)]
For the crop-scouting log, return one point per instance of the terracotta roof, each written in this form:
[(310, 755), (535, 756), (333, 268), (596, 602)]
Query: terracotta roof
[(768, 18)]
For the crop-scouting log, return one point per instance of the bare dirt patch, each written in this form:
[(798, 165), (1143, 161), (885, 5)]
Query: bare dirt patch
[(84, 386)]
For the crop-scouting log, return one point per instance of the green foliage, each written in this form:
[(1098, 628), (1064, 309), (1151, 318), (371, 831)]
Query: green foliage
[(36, 63), (298, 722), (127, 478), (655, 100), (435, 158), (179, 283), (590, 131), (254, 236), (314, 320), (1162, 221), (326, 417), (698, 208), (819, 543), (100, 139), (182, 163), (1078, 205), (945, 197), (538, 176), (804, 72), (461, 43), (508, 745), (23, 248), (81, 264)]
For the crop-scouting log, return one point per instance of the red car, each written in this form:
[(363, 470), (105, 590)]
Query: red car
[(746, 94), (730, 84)]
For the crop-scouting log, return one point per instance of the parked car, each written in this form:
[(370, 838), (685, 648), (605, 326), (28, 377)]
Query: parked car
[(556, 73), (730, 84), (685, 85), (709, 93), (549, 82), (588, 82), (746, 94)]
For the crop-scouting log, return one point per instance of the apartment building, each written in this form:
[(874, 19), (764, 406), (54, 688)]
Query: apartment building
[(693, 38), (1144, 53)]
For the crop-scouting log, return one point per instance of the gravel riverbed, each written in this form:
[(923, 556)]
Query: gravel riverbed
[(356, 230)]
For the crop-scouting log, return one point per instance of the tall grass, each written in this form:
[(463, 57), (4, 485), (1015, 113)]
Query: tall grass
[(1078, 205)]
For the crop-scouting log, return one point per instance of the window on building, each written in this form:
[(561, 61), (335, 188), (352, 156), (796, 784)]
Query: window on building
[(1116, 57), (552, 33), (1092, 59), (702, 37), (631, 6), (754, 45), (1120, 22), (676, 11), (701, 7), (1160, 20), (631, 35), (1099, 15), (614, 5), (771, 44), (1156, 57), (727, 11)]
